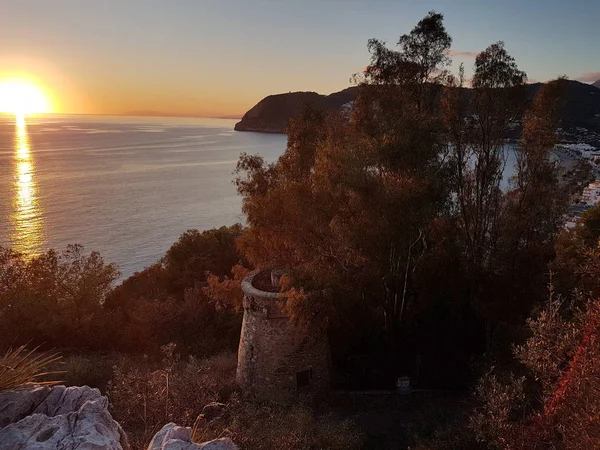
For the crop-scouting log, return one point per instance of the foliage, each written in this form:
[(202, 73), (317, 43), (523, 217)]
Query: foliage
[(498, 422), (290, 427), (338, 179), (54, 298), (559, 409), (94, 369), (576, 267), (145, 394), (397, 220), (20, 367), (68, 299), (196, 253), (227, 293)]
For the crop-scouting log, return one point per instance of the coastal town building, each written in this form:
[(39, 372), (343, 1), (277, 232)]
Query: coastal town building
[(590, 196)]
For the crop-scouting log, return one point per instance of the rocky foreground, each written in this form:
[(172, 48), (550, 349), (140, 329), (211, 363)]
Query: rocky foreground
[(77, 418)]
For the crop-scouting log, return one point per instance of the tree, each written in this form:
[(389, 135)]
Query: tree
[(533, 206), (576, 266), (196, 253), (418, 68), (53, 297), (476, 131), (506, 231), (347, 209)]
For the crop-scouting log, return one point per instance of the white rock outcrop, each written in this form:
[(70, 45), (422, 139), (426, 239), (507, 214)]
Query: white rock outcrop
[(172, 437), (58, 418), (77, 418)]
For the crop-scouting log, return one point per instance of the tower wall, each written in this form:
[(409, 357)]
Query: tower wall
[(277, 359)]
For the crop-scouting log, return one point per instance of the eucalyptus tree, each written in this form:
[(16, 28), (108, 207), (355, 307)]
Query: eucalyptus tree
[(348, 206)]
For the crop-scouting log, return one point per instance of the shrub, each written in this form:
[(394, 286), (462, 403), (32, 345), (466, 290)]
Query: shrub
[(53, 299), (145, 395), (557, 405), (287, 427), (88, 369)]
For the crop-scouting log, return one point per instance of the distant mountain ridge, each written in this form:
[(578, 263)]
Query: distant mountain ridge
[(272, 114), (597, 84), (152, 113)]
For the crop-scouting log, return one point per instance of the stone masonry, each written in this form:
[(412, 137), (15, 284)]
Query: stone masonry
[(278, 359)]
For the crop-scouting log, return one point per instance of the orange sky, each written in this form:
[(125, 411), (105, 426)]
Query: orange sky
[(118, 92), (94, 89), (220, 57)]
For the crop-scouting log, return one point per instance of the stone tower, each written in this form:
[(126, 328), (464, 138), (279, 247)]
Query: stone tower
[(277, 359)]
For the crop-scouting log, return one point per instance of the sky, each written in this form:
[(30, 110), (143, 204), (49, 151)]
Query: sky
[(220, 57)]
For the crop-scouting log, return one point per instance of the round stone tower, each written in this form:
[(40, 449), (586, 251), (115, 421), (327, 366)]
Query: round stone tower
[(277, 359)]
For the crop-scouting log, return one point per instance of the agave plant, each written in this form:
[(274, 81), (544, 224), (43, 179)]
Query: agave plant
[(20, 367)]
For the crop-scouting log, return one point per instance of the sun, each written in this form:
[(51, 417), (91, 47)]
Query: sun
[(21, 97)]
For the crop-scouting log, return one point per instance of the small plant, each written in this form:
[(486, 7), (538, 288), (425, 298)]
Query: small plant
[(20, 367)]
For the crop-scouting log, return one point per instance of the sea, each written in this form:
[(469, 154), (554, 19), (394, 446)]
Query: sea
[(126, 187)]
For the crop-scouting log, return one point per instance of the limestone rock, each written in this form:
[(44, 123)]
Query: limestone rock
[(58, 419), (15, 405), (62, 400), (172, 437)]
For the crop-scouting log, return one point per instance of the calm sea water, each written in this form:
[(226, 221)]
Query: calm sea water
[(125, 186)]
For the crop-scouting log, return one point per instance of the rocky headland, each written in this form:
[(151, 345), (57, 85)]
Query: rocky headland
[(272, 114)]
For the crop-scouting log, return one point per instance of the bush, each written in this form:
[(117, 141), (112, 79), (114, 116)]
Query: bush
[(67, 300), (88, 369), (145, 395), (275, 426), (54, 299), (557, 404)]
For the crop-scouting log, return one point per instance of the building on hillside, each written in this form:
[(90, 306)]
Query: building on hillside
[(590, 196), (573, 214), (593, 155), (591, 193), (277, 358)]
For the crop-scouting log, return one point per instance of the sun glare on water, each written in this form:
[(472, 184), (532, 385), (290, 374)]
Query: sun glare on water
[(22, 97)]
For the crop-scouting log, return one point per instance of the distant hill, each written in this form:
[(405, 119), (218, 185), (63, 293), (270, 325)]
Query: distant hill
[(582, 105), (272, 114), (597, 84), (151, 113)]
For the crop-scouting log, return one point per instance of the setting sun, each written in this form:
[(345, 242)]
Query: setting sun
[(22, 97)]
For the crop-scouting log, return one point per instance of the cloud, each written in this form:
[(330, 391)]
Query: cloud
[(589, 77), (460, 54)]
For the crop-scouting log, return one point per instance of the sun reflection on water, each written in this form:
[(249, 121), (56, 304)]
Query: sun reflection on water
[(27, 230)]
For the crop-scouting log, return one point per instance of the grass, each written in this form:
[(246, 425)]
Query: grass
[(20, 367)]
